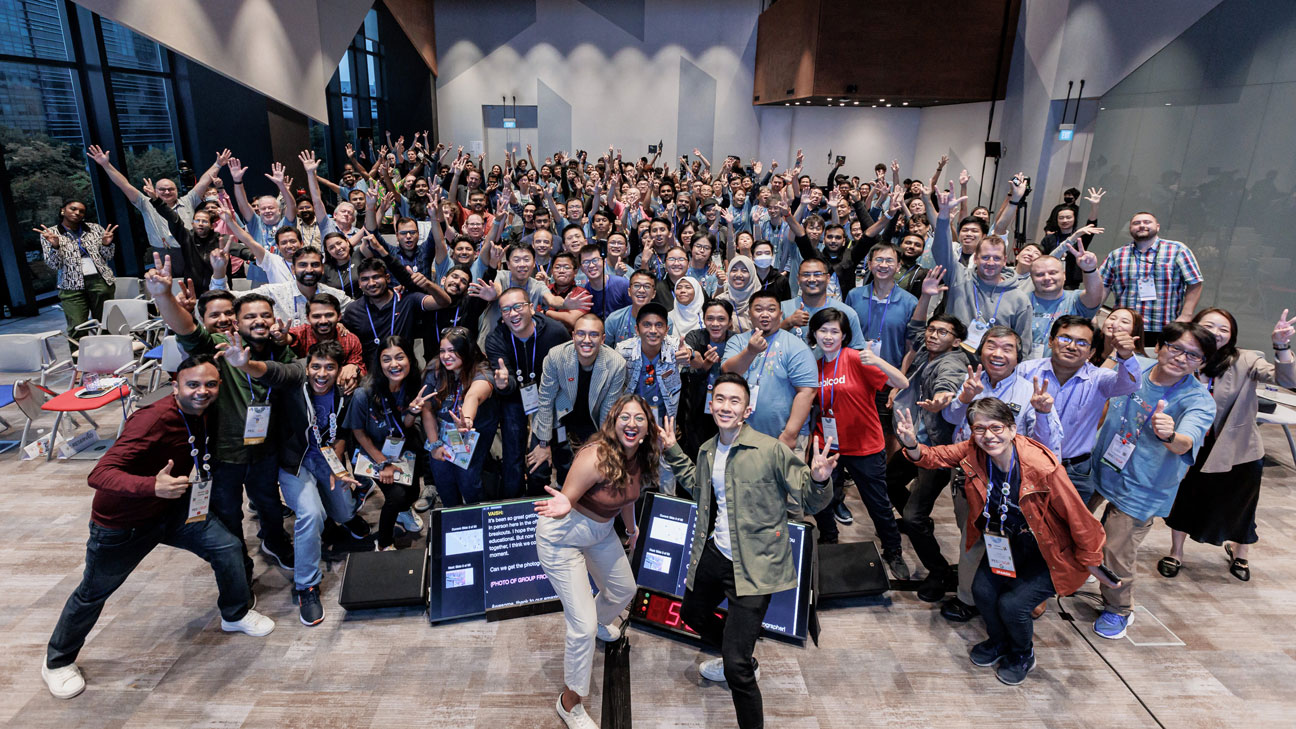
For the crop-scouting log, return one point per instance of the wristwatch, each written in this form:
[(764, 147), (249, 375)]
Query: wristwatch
[(1168, 440)]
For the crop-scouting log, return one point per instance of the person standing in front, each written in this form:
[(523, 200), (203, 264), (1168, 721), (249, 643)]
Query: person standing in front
[(80, 254), (742, 554), (576, 539)]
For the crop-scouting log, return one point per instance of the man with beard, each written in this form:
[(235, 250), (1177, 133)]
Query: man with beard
[(292, 299), (322, 325), (980, 297), (469, 299), (410, 251), (812, 278), (1158, 278), (312, 228), (381, 313), (216, 311), (517, 350), (141, 485), (910, 275), (195, 242), (244, 449), (264, 215)]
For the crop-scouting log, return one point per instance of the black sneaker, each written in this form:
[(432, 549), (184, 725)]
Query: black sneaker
[(281, 555), (842, 514), (899, 570), (1013, 669), (932, 588), (312, 612), (987, 653), (358, 527), (955, 610)]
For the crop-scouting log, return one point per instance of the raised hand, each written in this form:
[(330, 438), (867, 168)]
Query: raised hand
[(1125, 344), (157, 280), (823, 462), (934, 283), (868, 358), (235, 353), (1095, 195), (501, 375), (1018, 186), (148, 189), (757, 343), (237, 170), (420, 281), (937, 403), (49, 234), (188, 297), (223, 157), (1283, 330), (1041, 400), (666, 433), (483, 289), (948, 202), (973, 385), (416, 405), (555, 508), (1162, 424), (109, 233), (166, 486), (964, 177), (904, 428), (219, 258), (308, 161), (276, 174), (96, 153)]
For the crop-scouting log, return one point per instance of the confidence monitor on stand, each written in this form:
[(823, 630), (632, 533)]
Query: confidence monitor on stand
[(661, 560)]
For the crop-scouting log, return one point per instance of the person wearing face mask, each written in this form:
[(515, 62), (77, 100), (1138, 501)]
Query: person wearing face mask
[(245, 447), (1050, 301), (980, 297), (770, 279), (581, 380), (461, 417), (687, 314), (999, 352), (1216, 503), (741, 282), (1017, 492), (1148, 440)]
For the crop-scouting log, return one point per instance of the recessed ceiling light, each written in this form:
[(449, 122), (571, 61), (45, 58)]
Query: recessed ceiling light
[(1102, 108), (875, 106), (888, 106), (830, 98), (841, 103), (857, 103), (786, 104), (904, 103), (1167, 103), (881, 100)]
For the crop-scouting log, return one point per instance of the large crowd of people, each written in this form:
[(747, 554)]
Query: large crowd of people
[(753, 337)]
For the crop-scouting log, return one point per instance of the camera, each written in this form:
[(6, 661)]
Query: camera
[(841, 160), (652, 149)]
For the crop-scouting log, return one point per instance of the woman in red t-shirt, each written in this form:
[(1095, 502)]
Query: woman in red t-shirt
[(846, 412)]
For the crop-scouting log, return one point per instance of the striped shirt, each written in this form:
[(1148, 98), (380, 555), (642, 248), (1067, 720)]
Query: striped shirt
[(1168, 264)]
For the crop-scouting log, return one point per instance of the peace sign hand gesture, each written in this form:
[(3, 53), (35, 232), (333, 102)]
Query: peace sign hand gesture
[(416, 405), (1041, 400), (973, 385), (904, 428), (463, 422), (666, 433), (157, 280), (1283, 330), (822, 464)]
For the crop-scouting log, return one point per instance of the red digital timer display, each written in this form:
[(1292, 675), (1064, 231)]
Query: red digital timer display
[(662, 610)]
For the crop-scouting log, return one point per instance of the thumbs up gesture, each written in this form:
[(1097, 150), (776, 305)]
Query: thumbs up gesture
[(1162, 424), (799, 318), (166, 486), (501, 376)]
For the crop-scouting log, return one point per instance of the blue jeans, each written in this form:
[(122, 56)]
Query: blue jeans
[(1006, 602), (261, 480), (1081, 475), (457, 486), (514, 432), (112, 554), (310, 495)]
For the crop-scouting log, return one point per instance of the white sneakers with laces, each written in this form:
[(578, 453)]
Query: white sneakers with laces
[(253, 623), (65, 682)]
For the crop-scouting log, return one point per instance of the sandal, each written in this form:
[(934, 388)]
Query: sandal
[(1169, 566), (1239, 568)]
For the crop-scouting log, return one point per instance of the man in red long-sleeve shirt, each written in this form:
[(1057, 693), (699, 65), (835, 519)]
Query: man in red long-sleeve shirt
[(323, 324), (149, 491)]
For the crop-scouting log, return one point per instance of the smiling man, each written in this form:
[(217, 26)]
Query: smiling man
[(322, 325), (780, 369)]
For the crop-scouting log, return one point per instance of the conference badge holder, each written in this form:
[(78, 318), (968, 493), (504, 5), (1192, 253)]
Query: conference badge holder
[(1118, 453), (462, 446), (829, 425), (393, 447), (999, 555), (365, 467), (1147, 290), (257, 425), (530, 399), (334, 463), (199, 498)]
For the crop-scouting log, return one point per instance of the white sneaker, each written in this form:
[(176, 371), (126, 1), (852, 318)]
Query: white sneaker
[(65, 682), (253, 623), (608, 633), (410, 522), (713, 670), (576, 718)]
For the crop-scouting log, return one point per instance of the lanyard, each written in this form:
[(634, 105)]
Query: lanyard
[(251, 392), (535, 340), (882, 325), (454, 321), (392, 330), (332, 423), (977, 306), (1131, 435), (77, 239), (1149, 271), (394, 420), (832, 388), (1005, 491), (202, 467), (765, 363)]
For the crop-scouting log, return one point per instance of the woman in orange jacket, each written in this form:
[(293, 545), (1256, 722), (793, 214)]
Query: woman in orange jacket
[(1040, 538)]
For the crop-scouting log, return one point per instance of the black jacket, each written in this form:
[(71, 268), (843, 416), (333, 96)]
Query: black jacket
[(293, 413)]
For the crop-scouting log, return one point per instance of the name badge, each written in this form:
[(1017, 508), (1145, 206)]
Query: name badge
[(1147, 290), (706, 406), (1118, 453), (257, 425), (199, 499), (875, 346), (976, 330), (999, 555), (755, 391), (393, 446), (830, 431), (530, 399), (334, 463), (562, 434)]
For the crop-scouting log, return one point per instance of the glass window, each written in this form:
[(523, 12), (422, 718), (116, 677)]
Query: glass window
[(32, 29), (124, 48), (141, 105)]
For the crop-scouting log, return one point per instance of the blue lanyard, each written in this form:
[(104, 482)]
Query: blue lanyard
[(1004, 491), (394, 420), (204, 467), (535, 341), (251, 392), (770, 348), (77, 239), (977, 307), (882, 325), (832, 389), (392, 330)]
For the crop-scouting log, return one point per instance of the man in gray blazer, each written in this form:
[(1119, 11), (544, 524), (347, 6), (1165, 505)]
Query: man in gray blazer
[(580, 381)]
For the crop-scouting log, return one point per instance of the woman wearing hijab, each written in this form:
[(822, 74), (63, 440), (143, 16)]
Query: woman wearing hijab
[(687, 314), (740, 284)]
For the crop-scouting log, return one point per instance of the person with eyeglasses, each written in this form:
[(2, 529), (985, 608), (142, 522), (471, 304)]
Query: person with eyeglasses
[(1148, 440), (620, 324), (1036, 536), (517, 351), (812, 278), (608, 292), (1216, 503), (1081, 389)]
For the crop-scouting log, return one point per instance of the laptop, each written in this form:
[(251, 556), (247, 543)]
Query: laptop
[(385, 580)]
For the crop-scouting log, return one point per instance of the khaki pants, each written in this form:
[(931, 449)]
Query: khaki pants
[(1124, 535), (969, 559)]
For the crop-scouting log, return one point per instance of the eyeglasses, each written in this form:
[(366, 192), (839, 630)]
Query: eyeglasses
[(676, 259), (940, 332), (1081, 343), (592, 263), (996, 429), (522, 307), (642, 287), (1189, 356)]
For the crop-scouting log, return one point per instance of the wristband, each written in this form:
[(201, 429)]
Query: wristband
[(1283, 348), (433, 445), (1092, 270), (1167, 440)]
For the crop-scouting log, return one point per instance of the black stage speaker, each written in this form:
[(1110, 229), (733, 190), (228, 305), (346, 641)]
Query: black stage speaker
[(993, 150), (851, 569), (385, 579)]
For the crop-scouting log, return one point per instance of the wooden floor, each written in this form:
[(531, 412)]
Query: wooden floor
[(1205, 651)]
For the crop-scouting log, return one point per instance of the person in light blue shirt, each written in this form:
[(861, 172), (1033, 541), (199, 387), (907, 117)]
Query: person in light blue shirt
[(1081, 390), (780, 369), (1148, 441), (813, 280), (1049, 301), (883, 308)]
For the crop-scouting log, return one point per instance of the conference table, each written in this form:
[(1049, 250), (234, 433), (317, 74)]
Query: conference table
[(1283, 415)]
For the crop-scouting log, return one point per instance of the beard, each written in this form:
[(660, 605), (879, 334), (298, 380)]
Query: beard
[(308, 279)]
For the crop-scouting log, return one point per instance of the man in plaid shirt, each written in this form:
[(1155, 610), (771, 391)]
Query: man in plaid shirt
[(1158, 278)]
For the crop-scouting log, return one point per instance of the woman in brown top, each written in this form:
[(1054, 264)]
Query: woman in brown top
[(575, 539)]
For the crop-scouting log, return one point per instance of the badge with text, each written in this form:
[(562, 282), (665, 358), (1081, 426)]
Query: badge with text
[(530, 399), (199, 499), (1118, 453), (1147, 290), (830, 431), (257, 425), (999, 555), (393, 446), (334, 463)]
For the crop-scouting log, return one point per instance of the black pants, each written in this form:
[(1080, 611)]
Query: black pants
[(869, 474), (734, 635), (261, 480), (916, 507)]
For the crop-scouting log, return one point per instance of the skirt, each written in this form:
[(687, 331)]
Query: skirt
[(1214, 508)]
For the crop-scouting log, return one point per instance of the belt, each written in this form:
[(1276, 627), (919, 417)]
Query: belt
[(1076, 460)]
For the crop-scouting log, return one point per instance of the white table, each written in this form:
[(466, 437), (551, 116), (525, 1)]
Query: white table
[(1282, 415)]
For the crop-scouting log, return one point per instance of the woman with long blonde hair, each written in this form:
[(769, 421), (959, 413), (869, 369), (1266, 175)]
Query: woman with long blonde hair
[(576, 539)]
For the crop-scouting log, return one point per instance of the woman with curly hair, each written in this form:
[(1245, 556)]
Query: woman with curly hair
[(576, 541)]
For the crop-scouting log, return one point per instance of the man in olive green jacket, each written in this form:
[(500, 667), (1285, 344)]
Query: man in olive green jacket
[(741, 550)]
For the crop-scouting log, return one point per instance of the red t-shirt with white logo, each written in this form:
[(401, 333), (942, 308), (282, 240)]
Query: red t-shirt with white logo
[(848, 392)]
